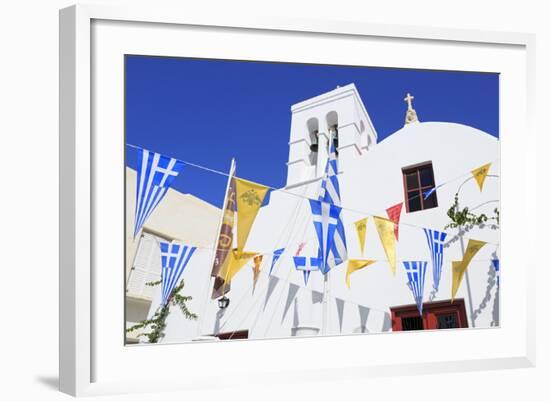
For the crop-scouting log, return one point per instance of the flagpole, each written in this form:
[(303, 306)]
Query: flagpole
[(326, 294), (224, 206), (220, 222), (326, 286)]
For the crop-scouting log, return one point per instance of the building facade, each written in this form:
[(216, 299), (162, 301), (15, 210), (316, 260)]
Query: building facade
[(373, 176)]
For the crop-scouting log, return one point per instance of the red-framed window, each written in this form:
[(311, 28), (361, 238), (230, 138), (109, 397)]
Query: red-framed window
[(435, 316), (417, 180)]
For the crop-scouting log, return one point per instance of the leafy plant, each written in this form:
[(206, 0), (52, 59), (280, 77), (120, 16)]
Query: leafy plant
[(463, 217), (157, 323)]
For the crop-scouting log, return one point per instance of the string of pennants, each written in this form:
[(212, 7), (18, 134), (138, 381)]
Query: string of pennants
[(156, 172), (317, 297)]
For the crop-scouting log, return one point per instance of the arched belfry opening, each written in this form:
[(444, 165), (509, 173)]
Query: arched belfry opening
[(332, 124), (313, 132), (338, 119)]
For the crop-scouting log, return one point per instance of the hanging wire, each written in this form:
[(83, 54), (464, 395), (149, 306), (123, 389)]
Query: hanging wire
[(282, 190)]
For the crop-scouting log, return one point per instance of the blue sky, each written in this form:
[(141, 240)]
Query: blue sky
[(208, 111)]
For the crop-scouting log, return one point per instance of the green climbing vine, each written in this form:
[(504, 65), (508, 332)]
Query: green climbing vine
[(157, 323), (464, 217)]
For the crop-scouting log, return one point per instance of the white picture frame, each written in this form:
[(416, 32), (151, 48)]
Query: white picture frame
[(84, 354)]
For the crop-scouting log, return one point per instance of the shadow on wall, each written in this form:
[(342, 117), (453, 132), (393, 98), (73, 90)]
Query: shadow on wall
[(51, 382), (386, 325), (491, 281), (496, 303), (219, 316)]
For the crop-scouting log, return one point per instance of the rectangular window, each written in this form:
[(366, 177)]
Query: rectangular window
[(412, 323), (417, 180), (447, 320)]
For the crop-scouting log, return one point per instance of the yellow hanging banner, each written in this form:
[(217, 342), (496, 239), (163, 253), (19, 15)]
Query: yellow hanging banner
[(250, 197), (236, 262), (459, 267), (354, 265), (361, 227), (480, 173), (385, 230)]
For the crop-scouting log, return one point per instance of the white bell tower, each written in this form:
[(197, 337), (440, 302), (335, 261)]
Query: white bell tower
[(339, 114)]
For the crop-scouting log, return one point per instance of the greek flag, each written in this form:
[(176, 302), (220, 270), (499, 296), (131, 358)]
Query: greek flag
[(330, 193), (306, 265), (276, 255), (435, 243), (330, 187), (416, 273), (325, 219), (154, 175), (496, 266), (174, 258)]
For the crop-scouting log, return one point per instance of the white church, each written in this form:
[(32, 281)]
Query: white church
[(373, 176)]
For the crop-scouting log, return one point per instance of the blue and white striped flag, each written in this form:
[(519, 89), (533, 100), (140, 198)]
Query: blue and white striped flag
[(435, 243), (155, 173), (330, 193), (306, 265), (416, 273), (276, 255), (174, 258), (330, 187), (496, 266), (325, 219)]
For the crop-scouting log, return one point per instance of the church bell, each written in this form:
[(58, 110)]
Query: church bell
[(314, 147), (334, 134)]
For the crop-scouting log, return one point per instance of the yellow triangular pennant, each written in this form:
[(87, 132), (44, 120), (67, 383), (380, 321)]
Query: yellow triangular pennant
[(473, 247), (236, 263), (480, 173), (256, 268), (354, 265), (385, 230), (460, 267), (250, 197), (361, 227), (458, 274)]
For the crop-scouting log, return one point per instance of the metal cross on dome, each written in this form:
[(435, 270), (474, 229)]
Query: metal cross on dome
[(409, 100), (411, 116)]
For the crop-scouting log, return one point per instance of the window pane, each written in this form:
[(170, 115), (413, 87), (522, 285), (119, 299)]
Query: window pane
[(447, 321), (412, 323), (431, 201), (427, 176), (413, 198), (412, 180)]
